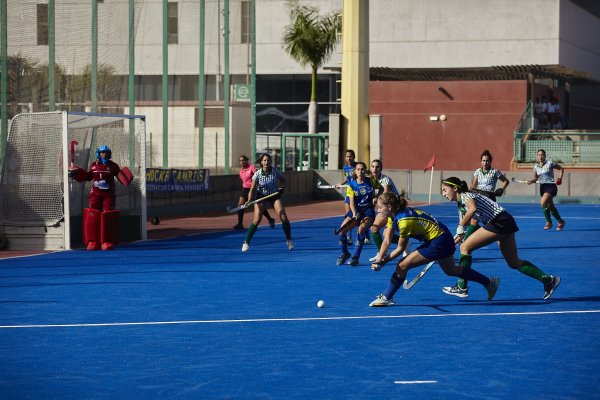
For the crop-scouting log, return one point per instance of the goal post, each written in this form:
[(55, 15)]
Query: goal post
[(40, 206)]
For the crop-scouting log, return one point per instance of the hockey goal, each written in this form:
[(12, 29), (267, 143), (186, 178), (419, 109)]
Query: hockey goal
[(40, 207)]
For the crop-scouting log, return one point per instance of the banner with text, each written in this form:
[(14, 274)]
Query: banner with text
[(176, 180)]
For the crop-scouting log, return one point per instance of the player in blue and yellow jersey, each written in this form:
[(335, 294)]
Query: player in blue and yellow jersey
[(497, 226), (438, 245), (360, 192), (348, 175)]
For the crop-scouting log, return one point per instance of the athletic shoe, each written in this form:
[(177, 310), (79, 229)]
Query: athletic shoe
[(290, 244), (492, 287), (272, 223), (93, 246), (245, 246), (238, 227), (456, 291), (382, 301), (353, 261), (107, 246), (342, 258), (560, 226), (367, 241), (550, 287), (547, 226), (374, 258)]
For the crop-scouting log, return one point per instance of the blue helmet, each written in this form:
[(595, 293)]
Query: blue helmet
[(103, 149)]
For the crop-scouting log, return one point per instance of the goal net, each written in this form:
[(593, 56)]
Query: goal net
[(40, 207)]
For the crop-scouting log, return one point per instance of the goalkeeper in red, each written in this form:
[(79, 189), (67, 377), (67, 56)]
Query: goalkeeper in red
[(101, 220)]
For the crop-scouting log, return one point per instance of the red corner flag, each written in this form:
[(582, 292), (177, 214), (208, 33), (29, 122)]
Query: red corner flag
[(430, 164)]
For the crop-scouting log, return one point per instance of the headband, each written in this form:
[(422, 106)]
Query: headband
[(451, 183)]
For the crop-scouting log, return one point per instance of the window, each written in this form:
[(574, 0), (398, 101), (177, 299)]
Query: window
[(172, 22), (42, 24), (245, 23)]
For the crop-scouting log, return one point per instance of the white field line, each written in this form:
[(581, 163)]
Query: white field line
[(413, 382), (238, 321)]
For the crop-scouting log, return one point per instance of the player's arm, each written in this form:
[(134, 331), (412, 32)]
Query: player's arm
[(562, 172), (252, 190), (471, 209), (534, 179), (474, 182)]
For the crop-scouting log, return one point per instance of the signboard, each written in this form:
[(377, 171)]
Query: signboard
[(177, 180), (242, 92)]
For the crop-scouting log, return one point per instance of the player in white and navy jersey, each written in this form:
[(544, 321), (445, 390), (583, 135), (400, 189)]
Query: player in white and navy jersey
[(484, 181), (543, 173), (266, 181), (498, 225)]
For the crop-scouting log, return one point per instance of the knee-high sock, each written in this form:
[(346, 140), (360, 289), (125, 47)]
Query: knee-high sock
[(546, 211), (556, 215), (377, 239), (469, 274), (531, 270), (240, 217), (343, 243), (266, 214), (470, 229), (360, 241), (464, 261), (287, 229), (393, 286), (250, 233)]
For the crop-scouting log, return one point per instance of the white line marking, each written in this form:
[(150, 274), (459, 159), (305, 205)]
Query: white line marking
[(237, 321), (412, 382)]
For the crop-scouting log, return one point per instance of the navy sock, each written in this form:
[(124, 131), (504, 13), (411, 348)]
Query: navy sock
[(343, 243), (359, 245), (469, 274), (393, 286)]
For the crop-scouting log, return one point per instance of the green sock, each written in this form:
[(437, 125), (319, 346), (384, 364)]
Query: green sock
[(464, 261), (287, 229), (556, 215), (250, 233), (377, 239), (470, 229), (547, 214), (531, 270)]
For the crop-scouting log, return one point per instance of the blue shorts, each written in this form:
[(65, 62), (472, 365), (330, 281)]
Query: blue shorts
[(440, 247), (365, 212), (347, 200)]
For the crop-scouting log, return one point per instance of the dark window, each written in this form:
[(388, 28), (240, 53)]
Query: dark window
[(42, 24), (245, 23), (172, 23)]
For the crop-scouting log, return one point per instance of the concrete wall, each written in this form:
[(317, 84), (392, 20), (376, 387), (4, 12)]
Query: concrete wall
[(225, 189), (480, 115)]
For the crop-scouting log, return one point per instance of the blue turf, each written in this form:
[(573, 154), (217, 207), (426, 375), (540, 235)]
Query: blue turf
[(246, 325)]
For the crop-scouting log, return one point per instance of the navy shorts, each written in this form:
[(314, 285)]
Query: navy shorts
[(244, 194), (365, 212), (503, 223), (550, 188), (270, 200), (438, 248)]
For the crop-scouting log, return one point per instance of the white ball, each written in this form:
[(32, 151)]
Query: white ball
[(320, 304)]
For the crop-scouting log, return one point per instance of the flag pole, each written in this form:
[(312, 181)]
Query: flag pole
[(431, 183)]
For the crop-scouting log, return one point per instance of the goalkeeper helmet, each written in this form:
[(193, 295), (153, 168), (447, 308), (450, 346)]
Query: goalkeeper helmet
[(103, 149)]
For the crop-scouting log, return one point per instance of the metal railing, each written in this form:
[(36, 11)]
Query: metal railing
[(295, 151), (579, 147)]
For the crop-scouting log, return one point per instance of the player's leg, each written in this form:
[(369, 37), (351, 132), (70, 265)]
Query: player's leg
[(555, 214), (508, 247), (412, 260), (345, 254), (258, 210), (285, 223), (545, 199), (363, 228), (240, 214)]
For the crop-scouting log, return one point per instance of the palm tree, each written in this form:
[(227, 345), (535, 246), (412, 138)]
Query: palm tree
[(310, 39)]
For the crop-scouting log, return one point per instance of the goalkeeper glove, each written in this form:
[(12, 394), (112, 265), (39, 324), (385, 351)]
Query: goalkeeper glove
[(499, 192), (559, 181)]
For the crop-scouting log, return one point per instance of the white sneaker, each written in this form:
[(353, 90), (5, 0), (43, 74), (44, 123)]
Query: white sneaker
[(290, 245), (374, 258), (245, 246), (382, 301)]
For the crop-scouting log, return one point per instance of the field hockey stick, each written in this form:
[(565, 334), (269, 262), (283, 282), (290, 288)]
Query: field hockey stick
[(246, 205), (320, 185), (515, 180), (351, 223), (407, 285)]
